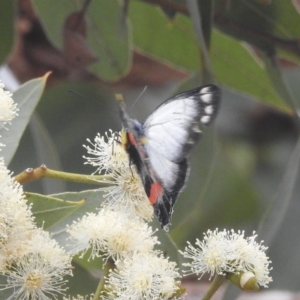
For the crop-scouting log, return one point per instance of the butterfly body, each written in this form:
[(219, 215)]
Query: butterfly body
[(159, 147)]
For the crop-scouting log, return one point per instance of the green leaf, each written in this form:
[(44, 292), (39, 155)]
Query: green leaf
[(110, 38), (27, 96), (266, 25), (82, 282), (87, 263), (234, 64), (106, 35), (277, 78), (54, 26), (49, 210), (247, 21), (287, 19), (173, 42), (238, 68), (291, 78)]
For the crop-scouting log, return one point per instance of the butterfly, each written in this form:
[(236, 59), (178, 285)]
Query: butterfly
[(159, 147)]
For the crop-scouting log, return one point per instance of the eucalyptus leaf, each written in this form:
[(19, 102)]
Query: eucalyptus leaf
[(49, 210), (291, 79), (87, 263), (26, 96), (54, 26), (106, 34), (261, 24), (46, 154), (109, 36), (273, 69), (235, 64), (238, 67), (173, 42), (82, 282)]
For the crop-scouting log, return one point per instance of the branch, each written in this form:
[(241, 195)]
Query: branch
[(31, 174)]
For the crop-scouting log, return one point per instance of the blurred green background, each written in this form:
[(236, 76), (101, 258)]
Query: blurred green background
[(244, 172)]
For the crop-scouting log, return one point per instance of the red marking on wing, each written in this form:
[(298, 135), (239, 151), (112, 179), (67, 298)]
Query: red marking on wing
[(131, 138), (155, 191)]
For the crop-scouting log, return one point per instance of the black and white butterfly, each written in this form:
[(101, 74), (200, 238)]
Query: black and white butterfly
[(159, 147)]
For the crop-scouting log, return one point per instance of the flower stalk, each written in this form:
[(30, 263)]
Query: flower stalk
[(31, 174), (215, 285), (106, 269)]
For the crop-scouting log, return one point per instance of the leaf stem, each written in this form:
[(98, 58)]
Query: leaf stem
[(216, 283), (31, 174), (106, 269)]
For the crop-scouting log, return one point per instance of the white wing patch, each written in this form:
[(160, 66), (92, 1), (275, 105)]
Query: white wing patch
[(206, 98), (172, 128), (166, 170)]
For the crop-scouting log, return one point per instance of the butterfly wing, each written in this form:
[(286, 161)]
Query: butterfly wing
[(171, 132)]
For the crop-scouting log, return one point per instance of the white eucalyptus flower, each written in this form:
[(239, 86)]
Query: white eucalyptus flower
[(251, 256), (16, 221), (223, 252), (8, 108), (42, 244), (110, 234), (33, 277), (210, 256), (146, 276)]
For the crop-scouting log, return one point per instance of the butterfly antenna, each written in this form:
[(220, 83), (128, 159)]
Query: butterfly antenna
[(94, 101), (140, 95)]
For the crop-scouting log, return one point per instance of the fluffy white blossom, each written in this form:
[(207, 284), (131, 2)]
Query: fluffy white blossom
[(251, 256), (110, 234), (39, 274), (41, 243), (210, 256), (33, 263), (8, 109), (126, 191), (145, 276), (33, 277), (223, 252), (16, 221)]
